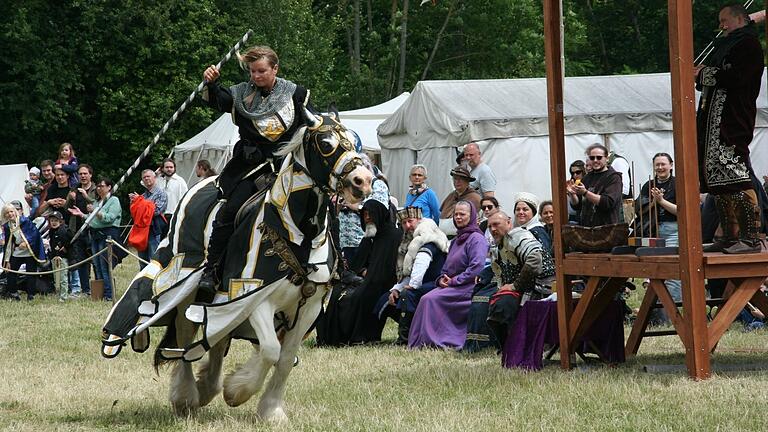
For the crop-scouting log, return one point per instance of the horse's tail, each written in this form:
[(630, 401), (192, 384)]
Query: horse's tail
[(168, 341)]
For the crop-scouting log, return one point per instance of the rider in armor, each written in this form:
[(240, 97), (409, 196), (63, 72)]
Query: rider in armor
[(268, 111)]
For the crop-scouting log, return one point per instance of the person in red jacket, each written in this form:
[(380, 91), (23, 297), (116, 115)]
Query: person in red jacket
[(152, 222)]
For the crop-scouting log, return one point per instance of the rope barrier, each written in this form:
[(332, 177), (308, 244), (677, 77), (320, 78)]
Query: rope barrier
[(162, 131), (91, 258), (140, 259)]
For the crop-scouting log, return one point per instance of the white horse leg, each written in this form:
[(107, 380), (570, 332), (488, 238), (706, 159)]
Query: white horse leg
[(209, 373), (248, 378), (271, 406), (184, 396)]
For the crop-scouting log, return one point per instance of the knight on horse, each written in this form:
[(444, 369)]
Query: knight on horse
[(258, 231)]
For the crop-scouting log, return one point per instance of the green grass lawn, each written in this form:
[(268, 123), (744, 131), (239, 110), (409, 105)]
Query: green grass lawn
[(53, 378)]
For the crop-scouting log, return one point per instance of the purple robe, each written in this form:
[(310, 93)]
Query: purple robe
[(441, 318)]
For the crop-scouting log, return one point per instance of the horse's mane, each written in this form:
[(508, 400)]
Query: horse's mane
[(293, 144)]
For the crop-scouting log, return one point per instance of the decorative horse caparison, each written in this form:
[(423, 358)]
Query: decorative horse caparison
[(275, 274)]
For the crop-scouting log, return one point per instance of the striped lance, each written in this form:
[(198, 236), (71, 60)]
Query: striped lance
[(164, 129)]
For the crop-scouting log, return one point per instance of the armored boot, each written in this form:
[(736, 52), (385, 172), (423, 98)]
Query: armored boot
[(724, 205), (404, 328), (748, 216)]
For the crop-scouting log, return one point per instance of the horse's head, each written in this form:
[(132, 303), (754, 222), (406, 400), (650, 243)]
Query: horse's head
[(344, 172)]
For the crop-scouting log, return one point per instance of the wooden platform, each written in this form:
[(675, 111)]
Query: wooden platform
[(607, 273)]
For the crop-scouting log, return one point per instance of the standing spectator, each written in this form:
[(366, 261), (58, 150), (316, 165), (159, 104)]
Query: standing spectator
[(547, 217), (82, 199), (106, 223), (59, 236), (598, 196), (462, 192), (729, 80), (173, 185), (421, 196), (33, 187), (46, 171), (56, 195), (68, 162), (156, 224), (441, 317), (577, 170), (489, 206), (485, 180), (203, 169), (23, 246)]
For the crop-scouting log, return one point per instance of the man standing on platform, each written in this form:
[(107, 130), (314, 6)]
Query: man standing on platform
[(598, 196), (729, 81)]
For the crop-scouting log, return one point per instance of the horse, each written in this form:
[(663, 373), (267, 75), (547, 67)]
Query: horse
[(276, 272)]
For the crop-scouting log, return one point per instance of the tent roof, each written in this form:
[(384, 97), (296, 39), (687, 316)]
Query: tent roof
[(222, 133), (364, 121), (460, 111)]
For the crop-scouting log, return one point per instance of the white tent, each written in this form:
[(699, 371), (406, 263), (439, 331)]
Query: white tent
[(215, 143), (12, 186), (630, 114)]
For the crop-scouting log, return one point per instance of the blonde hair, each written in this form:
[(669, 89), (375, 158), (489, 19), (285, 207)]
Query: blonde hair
[(6, 207), (257, 53)]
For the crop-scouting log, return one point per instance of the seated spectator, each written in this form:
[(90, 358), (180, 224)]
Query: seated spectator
[(203, 169), (479, 335), (526, 218), (462, 192), (516, 264), (23, 246), (59, 237), (421, 196), (489, 206), (440, 319), (351, 318), (105, 224), (68, 162), (422, 263), (33, 187), (547, 217)]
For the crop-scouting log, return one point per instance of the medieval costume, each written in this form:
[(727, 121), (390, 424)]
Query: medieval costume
[(607, 184), (23, 246), (440, 319), (265, 121), (546, 277), (350, 316), (516, 261), (729, 84), (423, 258)]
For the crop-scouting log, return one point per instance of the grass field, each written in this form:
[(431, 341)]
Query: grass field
[(53, 378)]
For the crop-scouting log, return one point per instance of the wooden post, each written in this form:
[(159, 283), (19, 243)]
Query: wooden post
[(687, 184), (553, 49), (111, 277)]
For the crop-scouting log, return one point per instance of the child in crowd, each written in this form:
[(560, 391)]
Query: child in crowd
[(60, 236), (67, 161), (34, 187)]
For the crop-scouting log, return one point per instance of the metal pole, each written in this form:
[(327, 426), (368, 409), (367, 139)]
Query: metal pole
[(164, 129)]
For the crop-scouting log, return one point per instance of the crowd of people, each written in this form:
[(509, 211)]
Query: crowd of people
[(61, 196)]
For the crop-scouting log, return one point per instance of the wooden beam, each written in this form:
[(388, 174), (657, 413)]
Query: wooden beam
[(669, 307), (687, 186), (553, 50), (745, 289), (640, 324)]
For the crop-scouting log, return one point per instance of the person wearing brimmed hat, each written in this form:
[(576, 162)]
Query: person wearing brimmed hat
[(23, 246), (423, 259), (59, 237), (462, 192)]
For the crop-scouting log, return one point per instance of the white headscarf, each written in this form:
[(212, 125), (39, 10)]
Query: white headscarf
[(533, 203)]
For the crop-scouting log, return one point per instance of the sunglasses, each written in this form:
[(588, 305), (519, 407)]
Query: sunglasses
[(577, 172), (594, 158), (488, 207)]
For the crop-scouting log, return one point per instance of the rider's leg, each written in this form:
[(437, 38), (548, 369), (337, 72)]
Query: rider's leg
[(223, 227)]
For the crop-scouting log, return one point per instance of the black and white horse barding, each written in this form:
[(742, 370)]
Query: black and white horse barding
[(276, 272)]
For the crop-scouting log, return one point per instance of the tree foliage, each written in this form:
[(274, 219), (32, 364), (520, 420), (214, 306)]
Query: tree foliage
[(106, 74)]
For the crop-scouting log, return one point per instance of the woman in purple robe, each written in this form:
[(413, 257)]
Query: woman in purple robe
[(440, 320)]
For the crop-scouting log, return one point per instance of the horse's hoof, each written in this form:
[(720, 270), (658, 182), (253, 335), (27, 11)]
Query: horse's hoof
[(184, 409), (237, 390), (276, 415)]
